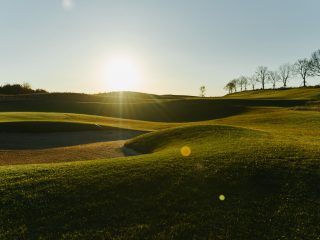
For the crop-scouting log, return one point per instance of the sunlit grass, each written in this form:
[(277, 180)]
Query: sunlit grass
[(311, 93)]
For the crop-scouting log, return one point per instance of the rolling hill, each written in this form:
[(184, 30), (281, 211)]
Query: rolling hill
[(249, 174)]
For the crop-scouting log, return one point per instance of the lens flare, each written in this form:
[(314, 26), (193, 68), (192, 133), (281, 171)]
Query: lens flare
[(185, 151), (67, 4), (222, 197)]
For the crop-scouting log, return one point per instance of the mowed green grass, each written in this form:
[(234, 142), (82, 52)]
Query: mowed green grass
[(265, 162)]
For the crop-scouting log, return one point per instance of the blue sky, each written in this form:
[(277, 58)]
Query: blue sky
[(175, 45)]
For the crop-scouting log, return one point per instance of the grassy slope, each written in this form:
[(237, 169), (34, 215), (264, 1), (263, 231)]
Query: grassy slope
[(81, 118), (265, 161), (311, 93)]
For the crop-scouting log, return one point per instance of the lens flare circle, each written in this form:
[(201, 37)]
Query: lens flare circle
[(222, 197), (185, 151)]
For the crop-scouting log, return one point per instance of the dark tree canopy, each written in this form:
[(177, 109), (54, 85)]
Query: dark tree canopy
[(24, 88), (230, 87)]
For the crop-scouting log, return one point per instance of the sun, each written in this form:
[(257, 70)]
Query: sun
[(121, 73)]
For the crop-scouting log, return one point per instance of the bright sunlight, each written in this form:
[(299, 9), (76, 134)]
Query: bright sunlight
[(121, 73)]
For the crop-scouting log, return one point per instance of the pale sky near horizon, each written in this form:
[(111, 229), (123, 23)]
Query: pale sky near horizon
[(166, 46)]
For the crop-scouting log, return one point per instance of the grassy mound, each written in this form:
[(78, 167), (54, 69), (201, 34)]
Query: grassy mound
[(203, 134)]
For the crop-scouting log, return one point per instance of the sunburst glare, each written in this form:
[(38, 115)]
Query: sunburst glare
[(121, 73)]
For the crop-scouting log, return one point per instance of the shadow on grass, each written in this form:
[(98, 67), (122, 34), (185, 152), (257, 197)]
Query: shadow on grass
[(185, 110)]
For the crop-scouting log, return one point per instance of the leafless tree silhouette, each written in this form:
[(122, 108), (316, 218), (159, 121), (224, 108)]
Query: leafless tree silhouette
[(285, 72), (303, 68), (273, 77), (262, 75), (315, 63)]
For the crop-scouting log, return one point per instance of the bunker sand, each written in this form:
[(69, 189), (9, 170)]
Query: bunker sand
[(30, 148)]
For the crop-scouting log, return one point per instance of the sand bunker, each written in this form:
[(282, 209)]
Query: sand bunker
[(22, 148)]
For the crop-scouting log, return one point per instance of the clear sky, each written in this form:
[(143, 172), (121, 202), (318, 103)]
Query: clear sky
[(164, 46)]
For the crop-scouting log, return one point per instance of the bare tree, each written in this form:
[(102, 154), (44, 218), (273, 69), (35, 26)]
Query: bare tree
[(246, 82), (315, 63), (202, 91), (303, 68), (285, 72), (253, 81), (230, 86), (273, 77), (262, 75), (243, 82), (236, 83), (240, 83)]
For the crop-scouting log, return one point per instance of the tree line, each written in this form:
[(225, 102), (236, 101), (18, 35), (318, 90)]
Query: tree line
[(304, 68), (24, 88)]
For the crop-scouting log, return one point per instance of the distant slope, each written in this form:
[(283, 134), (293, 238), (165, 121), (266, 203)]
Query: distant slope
[(310, 93), (111, 97)]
